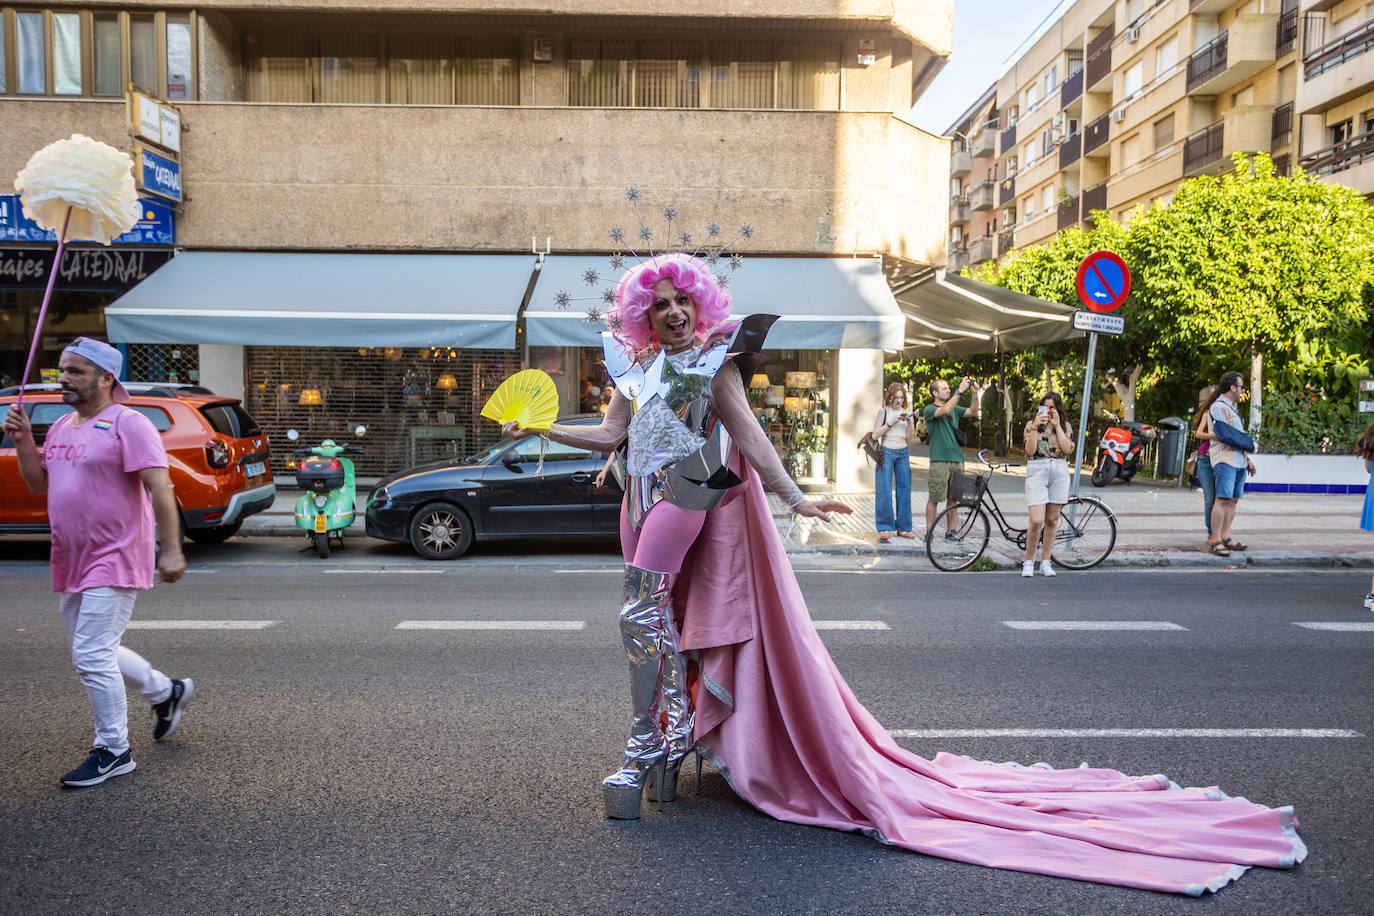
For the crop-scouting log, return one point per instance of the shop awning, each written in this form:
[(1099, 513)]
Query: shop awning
[(825, 303), (950, 315), (326, 300)]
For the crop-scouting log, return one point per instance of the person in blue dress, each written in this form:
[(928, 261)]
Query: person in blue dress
[(1365, 449)]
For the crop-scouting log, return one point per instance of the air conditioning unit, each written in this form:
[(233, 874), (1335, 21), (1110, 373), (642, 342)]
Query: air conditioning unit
[(1133, 34), (1059, 121), (1119, 115), (1056, 135)]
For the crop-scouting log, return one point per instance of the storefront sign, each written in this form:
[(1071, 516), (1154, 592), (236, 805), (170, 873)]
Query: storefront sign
[(158, 175), (82, 268), (156, 225), (153, 120)]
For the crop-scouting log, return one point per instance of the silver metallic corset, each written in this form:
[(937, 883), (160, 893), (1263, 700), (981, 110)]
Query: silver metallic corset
[(677, 445)]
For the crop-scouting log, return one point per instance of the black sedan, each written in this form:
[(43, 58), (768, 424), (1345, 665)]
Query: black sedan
[(502, 493)]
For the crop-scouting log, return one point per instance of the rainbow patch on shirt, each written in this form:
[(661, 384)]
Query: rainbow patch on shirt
[(103, 424)]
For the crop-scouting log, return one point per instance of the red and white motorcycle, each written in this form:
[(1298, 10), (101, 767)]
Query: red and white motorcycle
[(1118, 454)]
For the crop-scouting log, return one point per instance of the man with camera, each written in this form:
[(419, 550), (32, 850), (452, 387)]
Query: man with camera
[(946, 442)]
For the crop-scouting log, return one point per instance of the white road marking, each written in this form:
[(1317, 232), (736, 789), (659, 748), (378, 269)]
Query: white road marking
[(1124, 733), (1346, 627), (491, 625), (402, 571), (850, 625), (1092, 625), (200, 624)]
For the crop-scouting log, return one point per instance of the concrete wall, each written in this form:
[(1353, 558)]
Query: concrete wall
[(221, 369), (859, 396)]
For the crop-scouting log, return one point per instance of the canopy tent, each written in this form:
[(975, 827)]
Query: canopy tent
[(949, 315), (824, 303), (326, 300)]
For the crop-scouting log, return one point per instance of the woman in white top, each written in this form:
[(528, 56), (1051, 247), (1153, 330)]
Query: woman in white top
[(892, 429)]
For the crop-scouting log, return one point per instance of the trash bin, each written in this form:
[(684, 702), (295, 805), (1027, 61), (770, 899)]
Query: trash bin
[(1173, 443)]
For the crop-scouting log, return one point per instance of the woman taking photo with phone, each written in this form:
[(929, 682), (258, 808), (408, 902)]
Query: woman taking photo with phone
[(892, 428), (1049, 441)]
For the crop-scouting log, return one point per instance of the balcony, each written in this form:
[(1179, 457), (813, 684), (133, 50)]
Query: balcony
[(980, 250), (983, 196), (1094, 198), (1287, 37), (1068, 213), (1342, 156), (1006, 241), (1008, 139), (960, 163), (1233, 56), (1345, 48), (1006, 191), (1338, 71), (1071, 88), (1095, 136), (1208, 7), (959, 211), (1099, 66), (1203, 148), (1070, 150), (1283, 165), (984, 144), (1281, 133), (957, 260)]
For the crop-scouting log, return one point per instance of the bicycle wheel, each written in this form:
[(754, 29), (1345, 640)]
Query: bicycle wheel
[(958, 548), (1091, 536)]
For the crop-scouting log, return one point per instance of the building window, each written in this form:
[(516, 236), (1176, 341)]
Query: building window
[(66, 53), (1130, 151), (31, 53), (1286, 83), (1074, 58), (105, 46), (4, 86), (180, 80), (1245, 96), (1134, 9), (809, 75), (1342, 131), (1166, 55), (1164, 133), (349, 71), (1047, 198), (143, 51), (1051, 78), (1132, 80), (1367, 122), (278, 68)]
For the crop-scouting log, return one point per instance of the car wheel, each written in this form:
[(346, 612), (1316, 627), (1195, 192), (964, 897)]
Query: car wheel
[(322, 544), (440, 531), (216, 535)]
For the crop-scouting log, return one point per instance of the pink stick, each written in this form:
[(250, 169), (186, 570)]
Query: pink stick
[(43, 310)]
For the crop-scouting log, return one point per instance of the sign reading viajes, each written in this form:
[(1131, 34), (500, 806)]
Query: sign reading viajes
[(82, 268), (156, 225)]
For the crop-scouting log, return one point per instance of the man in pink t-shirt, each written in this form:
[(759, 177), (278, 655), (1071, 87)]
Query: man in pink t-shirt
[(104, 470)]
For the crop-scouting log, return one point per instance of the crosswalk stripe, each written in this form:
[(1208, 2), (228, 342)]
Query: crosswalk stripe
[(491, 625), (1092, 625), (200, 624), (850, 625), (1124, 733), (1344, 627)]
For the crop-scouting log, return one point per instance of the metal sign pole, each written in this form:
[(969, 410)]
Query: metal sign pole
[(1083, 419)]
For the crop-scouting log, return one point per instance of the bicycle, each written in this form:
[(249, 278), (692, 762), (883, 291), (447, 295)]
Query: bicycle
[(1086, 534)]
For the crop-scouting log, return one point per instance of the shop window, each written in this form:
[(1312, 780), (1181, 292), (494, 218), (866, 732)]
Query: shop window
[(66, 53), (105, 65), (31, 53), (143, 51), (180, 80)]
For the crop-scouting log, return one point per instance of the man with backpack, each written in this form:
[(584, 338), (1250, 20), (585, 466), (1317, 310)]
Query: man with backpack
[(946, 441)]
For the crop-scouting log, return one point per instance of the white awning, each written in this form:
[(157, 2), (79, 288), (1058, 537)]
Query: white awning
[(950, 315), (824, 303), (326, 300)]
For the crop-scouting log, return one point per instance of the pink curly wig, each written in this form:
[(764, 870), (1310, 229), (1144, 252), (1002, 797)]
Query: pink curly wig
[(635, 294)]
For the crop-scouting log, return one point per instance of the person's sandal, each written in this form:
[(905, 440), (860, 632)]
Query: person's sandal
[(1219, 549), (1235, 545), (884, 536), (905, 534)]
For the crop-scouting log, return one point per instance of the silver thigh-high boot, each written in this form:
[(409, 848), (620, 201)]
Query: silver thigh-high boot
[(642, 617), (676, 705)]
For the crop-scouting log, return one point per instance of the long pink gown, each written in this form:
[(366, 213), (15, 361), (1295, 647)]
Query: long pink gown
[(777, 719)]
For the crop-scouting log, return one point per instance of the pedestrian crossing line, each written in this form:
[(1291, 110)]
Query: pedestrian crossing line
[(1124, 733), (491, 625), (850, 625), (1092, 625), (402, 571), (1349, 626), (200, 624)]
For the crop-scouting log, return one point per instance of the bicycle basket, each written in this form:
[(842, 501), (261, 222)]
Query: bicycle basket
[(968, 488)]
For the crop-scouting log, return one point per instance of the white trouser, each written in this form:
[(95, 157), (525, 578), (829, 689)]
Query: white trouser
[(95, 621)]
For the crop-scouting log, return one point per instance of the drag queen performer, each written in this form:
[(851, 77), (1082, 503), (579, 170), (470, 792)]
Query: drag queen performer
[(708, 585)]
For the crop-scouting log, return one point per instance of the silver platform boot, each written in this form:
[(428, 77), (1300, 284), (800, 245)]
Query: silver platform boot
[(676, 704), (647, 602)]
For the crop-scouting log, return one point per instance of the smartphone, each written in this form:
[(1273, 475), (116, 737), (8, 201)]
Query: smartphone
[(1044, 410)]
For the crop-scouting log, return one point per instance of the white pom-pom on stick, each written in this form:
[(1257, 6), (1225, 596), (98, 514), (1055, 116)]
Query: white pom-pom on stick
[(81, 189)]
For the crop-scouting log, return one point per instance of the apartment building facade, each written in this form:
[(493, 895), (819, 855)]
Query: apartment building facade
[(418, 127), (1335, 100), (1119, 101), (973, 174)]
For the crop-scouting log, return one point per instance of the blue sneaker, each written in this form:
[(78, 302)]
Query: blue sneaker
[(100, 766), (168, 712)]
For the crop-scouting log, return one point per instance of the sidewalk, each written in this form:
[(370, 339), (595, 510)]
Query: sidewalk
[(1157, 525)]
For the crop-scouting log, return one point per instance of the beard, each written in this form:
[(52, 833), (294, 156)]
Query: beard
[(77, 395)]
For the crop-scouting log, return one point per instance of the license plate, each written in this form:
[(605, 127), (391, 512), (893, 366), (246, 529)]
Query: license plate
[(254, 469), (319, 523)]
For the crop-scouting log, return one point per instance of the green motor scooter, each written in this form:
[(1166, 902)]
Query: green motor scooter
[(327, 507)]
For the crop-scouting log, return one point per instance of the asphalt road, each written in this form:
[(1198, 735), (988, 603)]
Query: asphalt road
[(333, 763)]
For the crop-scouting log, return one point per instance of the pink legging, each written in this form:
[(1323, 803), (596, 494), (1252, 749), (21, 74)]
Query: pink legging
[(662, 541)]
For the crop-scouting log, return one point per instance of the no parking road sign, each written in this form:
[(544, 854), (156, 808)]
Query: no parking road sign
[(1103, 281)]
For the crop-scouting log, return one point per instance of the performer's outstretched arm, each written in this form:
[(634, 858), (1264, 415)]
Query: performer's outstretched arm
[(732, 406), (603, 437)]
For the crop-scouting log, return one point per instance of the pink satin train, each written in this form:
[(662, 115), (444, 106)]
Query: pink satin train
[(777, 719)]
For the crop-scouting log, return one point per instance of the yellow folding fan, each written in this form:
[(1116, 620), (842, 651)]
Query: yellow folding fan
[(528, 398)]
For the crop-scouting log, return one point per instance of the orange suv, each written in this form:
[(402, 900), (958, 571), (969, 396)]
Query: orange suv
[(216, 456)]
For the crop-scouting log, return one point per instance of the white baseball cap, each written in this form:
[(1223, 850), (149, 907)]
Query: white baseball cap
[(104, 357)]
